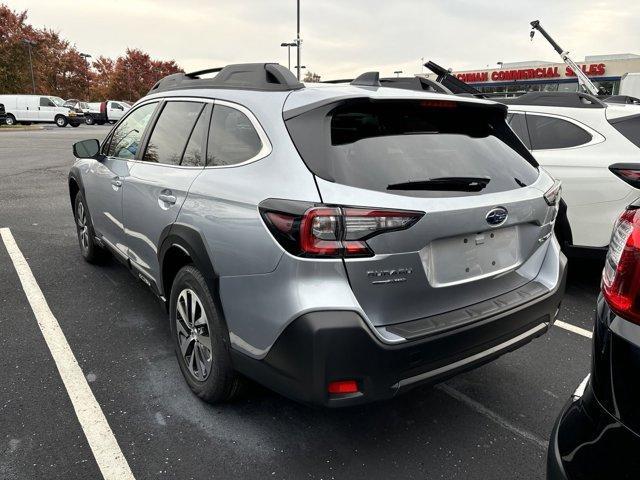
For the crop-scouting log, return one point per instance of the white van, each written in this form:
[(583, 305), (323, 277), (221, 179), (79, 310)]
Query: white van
[(39, 109)]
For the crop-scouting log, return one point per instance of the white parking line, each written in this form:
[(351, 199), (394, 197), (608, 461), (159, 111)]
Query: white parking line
[(111, 461), (573, 328), (503, 422)]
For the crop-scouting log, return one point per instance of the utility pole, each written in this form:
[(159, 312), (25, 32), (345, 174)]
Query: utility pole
[(29, 44), (298, 42)]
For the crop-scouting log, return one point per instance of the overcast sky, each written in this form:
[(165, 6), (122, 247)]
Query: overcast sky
[(341, 37)]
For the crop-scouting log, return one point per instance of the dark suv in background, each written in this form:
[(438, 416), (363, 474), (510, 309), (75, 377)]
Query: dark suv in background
[(597, 435)]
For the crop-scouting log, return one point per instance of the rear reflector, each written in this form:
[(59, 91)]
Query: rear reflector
[(621, 275), (343, 386)]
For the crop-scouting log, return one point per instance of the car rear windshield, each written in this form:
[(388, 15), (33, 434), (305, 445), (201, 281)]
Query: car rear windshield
[(413, 147), (629, 127)]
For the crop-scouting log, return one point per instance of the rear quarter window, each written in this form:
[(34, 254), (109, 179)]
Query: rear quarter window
[(550, 132), (377, 145)]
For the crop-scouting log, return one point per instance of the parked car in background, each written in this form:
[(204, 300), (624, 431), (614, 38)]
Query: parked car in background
[(3, 115), (301, 237), (110, 111), (77, 104), (597, 435), (593, 148), (27, 109)]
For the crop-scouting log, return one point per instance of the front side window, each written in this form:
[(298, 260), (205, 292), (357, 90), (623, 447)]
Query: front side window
[(116, 106), (232, 137), (127, 137), (550, 132), (171, 132)]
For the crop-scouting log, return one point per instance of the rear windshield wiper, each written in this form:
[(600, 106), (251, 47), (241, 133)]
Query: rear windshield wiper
[(451, 184)]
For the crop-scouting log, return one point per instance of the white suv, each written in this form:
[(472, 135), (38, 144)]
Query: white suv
[(593, 148)]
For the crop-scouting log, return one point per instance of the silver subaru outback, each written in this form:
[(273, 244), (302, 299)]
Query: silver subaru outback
[(337, 243)]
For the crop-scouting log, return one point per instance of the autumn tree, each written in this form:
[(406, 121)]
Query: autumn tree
[(60, 70), (311, 77), (135, 73)]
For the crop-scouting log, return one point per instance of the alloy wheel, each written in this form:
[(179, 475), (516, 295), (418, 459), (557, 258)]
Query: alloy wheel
[(194, 339), (83, 227)]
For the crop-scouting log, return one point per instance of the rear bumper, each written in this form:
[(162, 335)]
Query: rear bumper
[(588, 443), (321, 347)]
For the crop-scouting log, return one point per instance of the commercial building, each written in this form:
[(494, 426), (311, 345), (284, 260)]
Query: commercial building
[(604, 70)]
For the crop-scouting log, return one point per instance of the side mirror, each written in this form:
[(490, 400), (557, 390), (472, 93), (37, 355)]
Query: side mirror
[(86, 148)]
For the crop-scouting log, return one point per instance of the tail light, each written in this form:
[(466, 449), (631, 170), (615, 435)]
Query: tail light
[(103, 107), (621, 275), (309, 230), (629, 172), (552, 196)]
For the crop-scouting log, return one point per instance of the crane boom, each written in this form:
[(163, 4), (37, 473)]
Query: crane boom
[(583, 80)]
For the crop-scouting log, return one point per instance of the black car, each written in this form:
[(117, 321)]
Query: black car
[(3, 114), (597, 435)]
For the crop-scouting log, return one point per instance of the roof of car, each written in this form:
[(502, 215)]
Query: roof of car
[(555, 99)]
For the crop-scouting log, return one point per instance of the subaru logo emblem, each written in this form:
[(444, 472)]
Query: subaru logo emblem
[(497, 216)]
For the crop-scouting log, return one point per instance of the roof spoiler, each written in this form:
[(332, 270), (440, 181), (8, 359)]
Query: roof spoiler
[(451, 82)]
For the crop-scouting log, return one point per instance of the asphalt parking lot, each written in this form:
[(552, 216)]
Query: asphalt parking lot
[(492, 422)]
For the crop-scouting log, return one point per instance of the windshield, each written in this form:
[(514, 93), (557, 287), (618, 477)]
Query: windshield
[(58, 101), (417, 148)]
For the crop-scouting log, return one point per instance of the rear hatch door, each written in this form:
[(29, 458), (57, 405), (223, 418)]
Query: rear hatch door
[(485, 224)]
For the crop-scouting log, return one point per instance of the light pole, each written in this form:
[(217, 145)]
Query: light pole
[(289, 45), (298, 42), (398, 72), (29, 44)]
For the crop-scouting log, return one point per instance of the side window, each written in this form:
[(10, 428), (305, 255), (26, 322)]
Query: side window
[(518, 124), (46, 102), (170, 134), (116, 106), (550, 132), (194, 153), (126, 138), (232, 138)]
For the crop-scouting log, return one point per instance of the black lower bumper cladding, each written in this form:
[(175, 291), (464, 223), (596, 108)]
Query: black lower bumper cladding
[(322, 347)]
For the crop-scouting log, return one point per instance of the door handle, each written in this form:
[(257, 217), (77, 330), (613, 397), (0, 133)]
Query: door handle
[(116, 182), (167, 198)]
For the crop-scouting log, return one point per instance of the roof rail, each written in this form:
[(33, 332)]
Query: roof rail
[(242, 76), (555, 99)]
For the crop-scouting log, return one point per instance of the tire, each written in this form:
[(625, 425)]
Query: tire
[(206, 363), (25, 123), (10, 120), (61, 121), (89, 249), (111, 122), (75, 125), (89, 121), (100, 123)]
